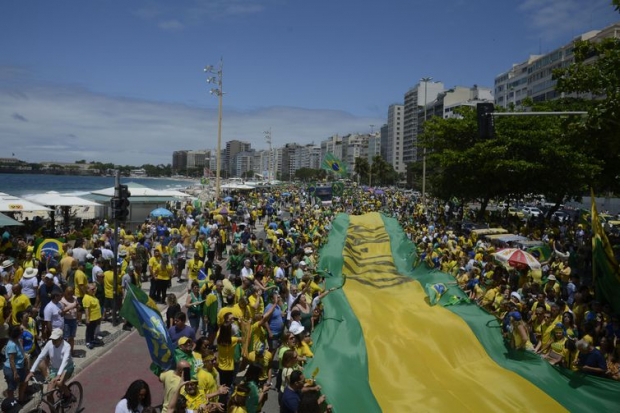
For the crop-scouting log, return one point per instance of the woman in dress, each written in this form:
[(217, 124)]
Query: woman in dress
[(136, 398)]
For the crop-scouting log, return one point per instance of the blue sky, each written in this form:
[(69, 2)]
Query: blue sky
[(123, 81)]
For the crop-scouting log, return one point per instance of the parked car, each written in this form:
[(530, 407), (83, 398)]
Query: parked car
[(559, 216), (514, 212), (531, 212)]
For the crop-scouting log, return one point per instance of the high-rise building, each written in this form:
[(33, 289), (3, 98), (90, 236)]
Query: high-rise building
[(416, 97), (232, 149), (198, 159), (394, 148), (533, 77), (179, 161)]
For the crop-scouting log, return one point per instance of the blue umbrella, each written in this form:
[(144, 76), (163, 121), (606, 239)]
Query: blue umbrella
[(228, 199), (161, 212), (286, 194)]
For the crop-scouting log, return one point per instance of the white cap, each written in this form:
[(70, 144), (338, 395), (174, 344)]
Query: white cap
[(49, 275), (56, 334)]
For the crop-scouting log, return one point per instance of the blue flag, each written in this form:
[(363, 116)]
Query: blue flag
[(202, 275), (151, 327)]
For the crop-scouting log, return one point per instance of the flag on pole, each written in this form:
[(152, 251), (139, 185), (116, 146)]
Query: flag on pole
[(604, 264), (150, 325)]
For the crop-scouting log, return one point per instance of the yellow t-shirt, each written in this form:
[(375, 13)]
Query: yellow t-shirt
[(195, 401), (2, 305), (265, 363), (171, 383), (226, 355), (18, 303), (94, 307), (80, 280), (108, 284), (207, 383)]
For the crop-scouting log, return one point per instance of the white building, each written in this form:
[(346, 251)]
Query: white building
[(534, 77), (416, 97), (393, 151)]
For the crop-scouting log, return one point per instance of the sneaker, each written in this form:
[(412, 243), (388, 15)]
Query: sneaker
[(89, 346)]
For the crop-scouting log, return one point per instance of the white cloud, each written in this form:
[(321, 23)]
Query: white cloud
[(69, 123), (556, 19), (192, 12), (171, 25)]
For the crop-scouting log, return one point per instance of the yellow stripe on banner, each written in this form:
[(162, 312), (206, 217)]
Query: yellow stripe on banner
[(422, 358)]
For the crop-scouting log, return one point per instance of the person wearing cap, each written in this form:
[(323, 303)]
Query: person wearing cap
[(552, 285), (55, 361), (519, 335), (10, 405)]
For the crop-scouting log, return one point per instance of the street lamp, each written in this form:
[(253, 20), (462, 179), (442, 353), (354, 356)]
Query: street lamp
[(268, 140), (218, 91), (425, 80)]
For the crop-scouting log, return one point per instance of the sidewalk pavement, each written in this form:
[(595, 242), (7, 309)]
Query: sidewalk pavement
[(109, 333)]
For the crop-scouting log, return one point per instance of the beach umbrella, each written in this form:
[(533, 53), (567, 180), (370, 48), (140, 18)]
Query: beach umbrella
[(161, 213), (517, 258), (286, 194), (228, 199), (8, 221), (10, 203)]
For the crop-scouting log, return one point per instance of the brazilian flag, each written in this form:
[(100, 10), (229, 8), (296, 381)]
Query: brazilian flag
[(604, 264), (333, 164), (382, 348)]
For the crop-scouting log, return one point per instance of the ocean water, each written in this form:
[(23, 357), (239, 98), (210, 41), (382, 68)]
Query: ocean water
[(26, 184)]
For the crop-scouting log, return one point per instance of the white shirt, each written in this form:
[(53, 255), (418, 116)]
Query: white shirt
[(60, 356), (29, 286), (53, 313), (247, 272), (121, 407)]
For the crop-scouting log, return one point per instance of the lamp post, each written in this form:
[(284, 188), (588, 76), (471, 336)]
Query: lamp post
[(268, 140), (218, 91), (425, 80)]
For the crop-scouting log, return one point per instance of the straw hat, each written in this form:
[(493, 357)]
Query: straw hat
[(30, 272), (7, 263)]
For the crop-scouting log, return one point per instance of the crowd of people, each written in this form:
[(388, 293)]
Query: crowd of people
[(242, 333)]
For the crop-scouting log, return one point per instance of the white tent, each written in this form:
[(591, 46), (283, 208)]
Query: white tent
[(53, 198), (137, 190), (10, 203), (8, 221)]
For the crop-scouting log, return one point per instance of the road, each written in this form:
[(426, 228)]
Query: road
[(106, 379)]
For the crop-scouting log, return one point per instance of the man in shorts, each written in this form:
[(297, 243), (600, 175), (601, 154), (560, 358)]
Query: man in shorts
[(55, 363)]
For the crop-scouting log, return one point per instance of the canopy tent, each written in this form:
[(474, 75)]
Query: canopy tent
[(8, 221), (138, 190), (65, 201), (142, 200), (10, 203), (237, 187), (53, 198)]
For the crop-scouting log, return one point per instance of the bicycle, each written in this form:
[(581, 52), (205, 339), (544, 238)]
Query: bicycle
[(59, 403)]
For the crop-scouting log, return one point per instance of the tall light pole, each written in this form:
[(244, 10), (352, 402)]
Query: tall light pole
[(372, 130), (268, 140), (219, 92), (425, 80)]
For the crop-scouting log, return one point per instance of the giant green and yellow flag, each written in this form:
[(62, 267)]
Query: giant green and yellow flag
[(383, 348)]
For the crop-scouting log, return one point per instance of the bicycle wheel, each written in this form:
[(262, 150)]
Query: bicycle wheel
[(76, 394), (44, 407)]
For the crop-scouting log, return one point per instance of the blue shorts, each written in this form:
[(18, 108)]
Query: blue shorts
[(69, 329), (11, 384)]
